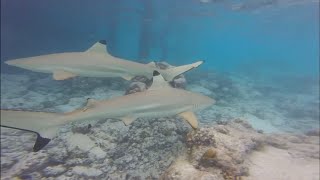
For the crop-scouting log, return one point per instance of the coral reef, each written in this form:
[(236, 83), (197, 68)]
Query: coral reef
[(225, 151), (108, 150)]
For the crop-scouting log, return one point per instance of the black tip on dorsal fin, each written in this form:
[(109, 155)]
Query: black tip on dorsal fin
[(156, 73), (41, 142), (103, 42)]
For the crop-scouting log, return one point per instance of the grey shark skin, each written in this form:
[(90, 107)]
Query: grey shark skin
[(160, 100), (95, 62)]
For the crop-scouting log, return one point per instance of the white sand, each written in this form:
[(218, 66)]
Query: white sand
[(278, 164)]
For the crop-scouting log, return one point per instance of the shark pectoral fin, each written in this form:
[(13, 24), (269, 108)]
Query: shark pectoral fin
[(127, 77), (62, 75), (98, 47), (191, 118), (152, 64), (158, 81), (127, 120)]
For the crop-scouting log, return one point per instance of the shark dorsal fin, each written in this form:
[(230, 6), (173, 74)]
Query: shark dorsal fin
[(90, 103), (158, 81), (98, 47)]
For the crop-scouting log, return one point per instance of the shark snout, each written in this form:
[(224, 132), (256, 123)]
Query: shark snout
[(209, 101), (11, 62), (16, 62)]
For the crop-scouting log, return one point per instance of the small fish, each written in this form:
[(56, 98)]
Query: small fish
[(160, 100), (95, 62)]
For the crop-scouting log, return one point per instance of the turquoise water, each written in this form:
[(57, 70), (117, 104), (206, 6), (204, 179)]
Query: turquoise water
[(233, 36), (261, 68)]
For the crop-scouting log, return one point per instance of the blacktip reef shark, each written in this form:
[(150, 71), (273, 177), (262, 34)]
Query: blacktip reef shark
[(160, 100), (94, 62)]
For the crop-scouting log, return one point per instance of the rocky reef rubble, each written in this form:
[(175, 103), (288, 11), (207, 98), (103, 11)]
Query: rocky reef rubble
[(104, 149), (223, 151), (164, 148)]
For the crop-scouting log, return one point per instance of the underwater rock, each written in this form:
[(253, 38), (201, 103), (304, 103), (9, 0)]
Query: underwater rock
[(27, 166), (136, 87), (179, 82), (142, 150), (223, 148), (7, 162), (86, 171), (97, 153), (142, 79), (33, 175), (208, 157), (54, 170), (203, 137), (313, 132), (222, 129), (182, 170), (57, 152), (149, 146), (83, 142), (81, 129), (234, 142), (299, 146), (210, 154)]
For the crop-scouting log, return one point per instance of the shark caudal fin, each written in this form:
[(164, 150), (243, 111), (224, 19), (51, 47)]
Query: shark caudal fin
[(171, 73), (44, 125)]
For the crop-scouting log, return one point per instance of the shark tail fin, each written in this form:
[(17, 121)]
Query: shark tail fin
[(40, 143), (44, 125), (171, 73)]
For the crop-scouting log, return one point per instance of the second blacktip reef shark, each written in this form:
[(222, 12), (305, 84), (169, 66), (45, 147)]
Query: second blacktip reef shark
[(94, 62), (160, 100)]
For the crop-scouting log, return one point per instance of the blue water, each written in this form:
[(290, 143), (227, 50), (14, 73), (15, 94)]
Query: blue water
[(261, 66), (264, 37)]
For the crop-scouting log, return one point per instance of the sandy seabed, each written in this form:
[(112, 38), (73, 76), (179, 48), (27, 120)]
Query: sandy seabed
[(278, 164)]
